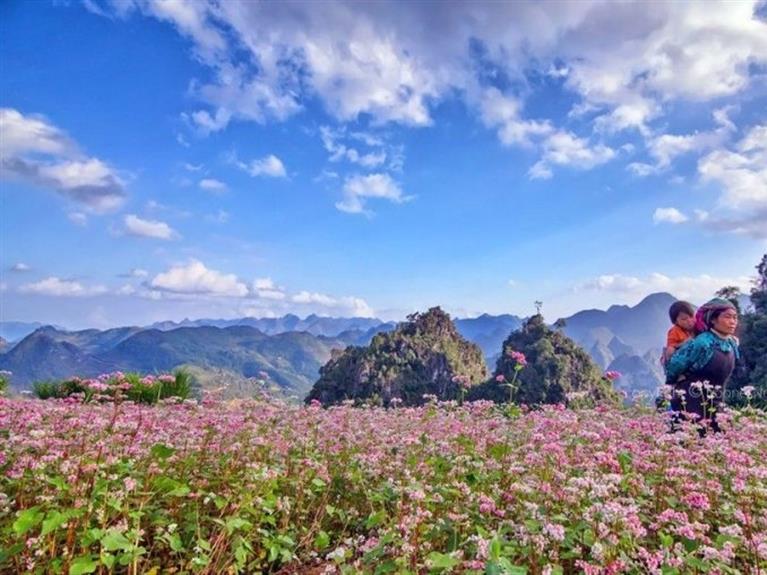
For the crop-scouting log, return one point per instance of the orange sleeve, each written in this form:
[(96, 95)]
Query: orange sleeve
[(676, 337)]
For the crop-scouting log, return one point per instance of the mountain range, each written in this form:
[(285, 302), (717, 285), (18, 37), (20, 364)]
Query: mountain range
[(289, 350)]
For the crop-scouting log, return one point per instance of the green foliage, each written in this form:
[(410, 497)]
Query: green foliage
[(424, 356), (731, 293), (131, 386), (4, 382), (46, 389), (556, 370), (752, 368)]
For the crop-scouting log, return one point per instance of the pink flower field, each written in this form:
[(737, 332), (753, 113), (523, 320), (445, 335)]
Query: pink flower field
[(259, 487)]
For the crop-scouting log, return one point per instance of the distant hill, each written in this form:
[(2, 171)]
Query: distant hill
[(424, 355), (39, 356), (488, 331), (555, 367), (642, 327), (633, 335), (15, 330), (291, 360), (91, 340), (314, 324)]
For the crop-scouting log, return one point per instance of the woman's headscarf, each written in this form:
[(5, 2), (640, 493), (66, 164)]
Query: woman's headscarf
[(705, 313)]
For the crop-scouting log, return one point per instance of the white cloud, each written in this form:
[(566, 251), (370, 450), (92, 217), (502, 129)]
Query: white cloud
[(138, 273), (384, 62), (665, 148), (266, 288), (78, 218), (35, 151), (205, 123), (31, 134), (20, 267), (669, 215), (741, 172), (212, 185), (269, 165), (566, 149), (136, 226), (195, 278), (695, 288), (54, 286), (358, 188), (220, 217), (395, 61), (503, 113), (332, 141), (357, 307), (126, 289), (641, 169), (308, 297)]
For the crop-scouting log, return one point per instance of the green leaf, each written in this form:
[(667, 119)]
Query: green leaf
[(115, 541), (181, 491), (162, 451), (54, 520), (321, 541), (83, 564), (236, 523), (625, 460), (108, 560), (318, 483), (27, 519), (241, 555), (375, 519), (441, 560), (386, 567), (175, 542), (495, 548), (589, 538)]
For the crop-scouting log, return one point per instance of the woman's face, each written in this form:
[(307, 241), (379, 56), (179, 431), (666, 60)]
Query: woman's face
[(726, 322)]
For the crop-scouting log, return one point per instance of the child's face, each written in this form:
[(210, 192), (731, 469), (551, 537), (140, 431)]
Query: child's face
[(685, 321)]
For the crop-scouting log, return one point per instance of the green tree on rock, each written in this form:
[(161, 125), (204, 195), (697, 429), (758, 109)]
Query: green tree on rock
[(556, 367), (424, 356)]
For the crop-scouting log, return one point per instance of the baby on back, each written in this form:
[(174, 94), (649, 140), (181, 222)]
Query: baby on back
[(682, 316)]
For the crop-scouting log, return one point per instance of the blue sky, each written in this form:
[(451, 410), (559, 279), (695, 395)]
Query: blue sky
[(163, 160)]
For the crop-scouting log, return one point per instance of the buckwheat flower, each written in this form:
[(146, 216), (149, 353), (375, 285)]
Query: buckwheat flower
[(612, 375), (500, 378), (748, 390), (338, 554), (731, 530), (697, 500), (555, 531), (129, 483)]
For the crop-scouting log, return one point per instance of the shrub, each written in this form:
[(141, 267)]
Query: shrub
[(147, 389), (46, 389)]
